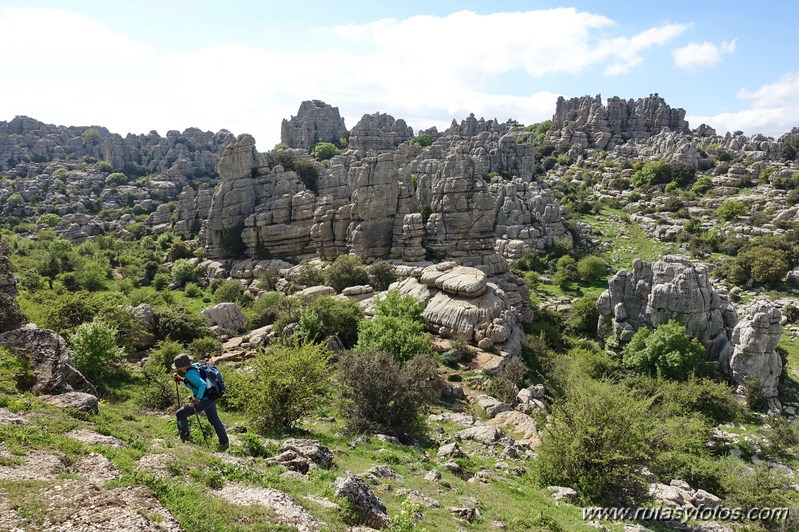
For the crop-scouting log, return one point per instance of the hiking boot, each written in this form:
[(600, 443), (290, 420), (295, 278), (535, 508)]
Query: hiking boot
[(184, 437), (222, 447)]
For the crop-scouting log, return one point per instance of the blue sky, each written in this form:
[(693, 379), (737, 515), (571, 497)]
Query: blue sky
[(246, 65)]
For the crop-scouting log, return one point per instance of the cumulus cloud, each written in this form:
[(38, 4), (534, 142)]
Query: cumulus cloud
[(425, 69), (695, 57), (773, 110)]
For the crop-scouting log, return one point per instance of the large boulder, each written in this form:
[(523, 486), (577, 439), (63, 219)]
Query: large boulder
[(754, 340), (228, 316), (50, 360), (670, 289)]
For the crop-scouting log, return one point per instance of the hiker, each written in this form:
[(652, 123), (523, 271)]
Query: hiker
[(198, 403)]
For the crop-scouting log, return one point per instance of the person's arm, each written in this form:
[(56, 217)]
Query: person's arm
[(196, 383)]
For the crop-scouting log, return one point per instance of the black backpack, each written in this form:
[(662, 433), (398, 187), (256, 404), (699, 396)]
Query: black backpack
[(215, 386)]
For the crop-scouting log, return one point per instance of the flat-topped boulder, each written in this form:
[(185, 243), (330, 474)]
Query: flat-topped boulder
[(456, 280)]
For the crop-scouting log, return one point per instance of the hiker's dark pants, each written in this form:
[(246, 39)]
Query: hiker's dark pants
[(209, 407)]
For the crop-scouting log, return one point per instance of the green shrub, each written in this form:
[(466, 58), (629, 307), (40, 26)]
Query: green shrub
[(116, 178), (337, 317), (381, 275), (157, 391), (161, 281), (591, 268), (192, 290), (321, 151), (380, 394), (584, 316), (652, 173), (422, 139), (762, 264), (287, 383), (162, 354), (731, 209), (202, 348), (309, 275), (180, 325), (94, 348), (505, 385), (346, 271), (596, 443), (565, 272), (702, 185), (397, 328), (90, 135), (105, 166), (229, 291), (265, 309), (183, 271), (666, 351)]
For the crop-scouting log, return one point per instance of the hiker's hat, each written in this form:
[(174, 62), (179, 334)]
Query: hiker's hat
[(181, 361)]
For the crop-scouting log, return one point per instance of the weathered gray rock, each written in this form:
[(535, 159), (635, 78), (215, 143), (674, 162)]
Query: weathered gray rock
[(315, 122), (754, 341), (671, 289), (450, 450), (83, 402), (50, 360), (588, 124), (482, 433), (491, 405), (363, 500), (226, 315), (379, 132)]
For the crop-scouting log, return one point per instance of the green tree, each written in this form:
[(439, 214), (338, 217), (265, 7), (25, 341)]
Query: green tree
[(762, 264), (666, 351), (286, 384), (397, 328), (381, 394), (422, 139), (565, 272), (321, 151), (116, 178), (731, 209), (90, 135), (596, 443), (591, 268), (346, 271), (381, 275), (94, 348), (183, 271), (652, 173)]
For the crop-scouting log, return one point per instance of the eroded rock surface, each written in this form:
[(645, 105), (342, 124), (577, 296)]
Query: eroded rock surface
[(755, 340)]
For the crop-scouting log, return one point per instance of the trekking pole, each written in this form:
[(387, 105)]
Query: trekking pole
[(177, 393), (199, 424)]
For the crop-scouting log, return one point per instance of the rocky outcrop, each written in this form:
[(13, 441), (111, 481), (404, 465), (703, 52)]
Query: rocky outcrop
[(228, 316), (585, 123), (754, 340), (670, 289), (379, 132), (11, 316), (468, 304), (50, 360), (315, 121), (79, 227), (191, 210), (463, 196)]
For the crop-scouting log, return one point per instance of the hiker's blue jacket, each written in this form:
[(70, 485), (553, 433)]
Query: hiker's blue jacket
[(195, 383)]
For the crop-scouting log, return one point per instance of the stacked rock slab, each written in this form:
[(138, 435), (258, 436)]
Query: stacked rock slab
[(470, 194), (315, 122), (670, 289), (755, 340), (468, 304)]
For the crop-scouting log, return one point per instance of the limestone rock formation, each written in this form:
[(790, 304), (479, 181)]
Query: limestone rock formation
[(315, 121), (754, 340), (360, 495), (670, 289), (228, 316), (11, 316), (588, 124), (468, 304), (50, 360), (379, 132), (463, 196)]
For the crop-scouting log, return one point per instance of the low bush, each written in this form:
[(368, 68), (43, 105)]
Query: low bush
[(381, 275), (287, 383), (397, 328), (94, 348), (346, 271), (380, 394), (665, 351), (591, 268)]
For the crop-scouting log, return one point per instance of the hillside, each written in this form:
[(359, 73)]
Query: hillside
[(491, 327)]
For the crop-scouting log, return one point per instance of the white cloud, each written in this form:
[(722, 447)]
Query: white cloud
[(695, 57), (773, 110), (427, 70)]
